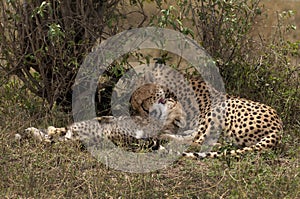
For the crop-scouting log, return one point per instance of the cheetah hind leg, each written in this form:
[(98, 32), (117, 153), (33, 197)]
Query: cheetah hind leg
[(48, 135), (39, 135)]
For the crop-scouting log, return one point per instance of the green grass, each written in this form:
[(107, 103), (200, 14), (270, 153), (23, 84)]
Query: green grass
[(32, 170)]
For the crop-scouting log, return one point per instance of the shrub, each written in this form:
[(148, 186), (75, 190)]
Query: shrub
[(44, 42)]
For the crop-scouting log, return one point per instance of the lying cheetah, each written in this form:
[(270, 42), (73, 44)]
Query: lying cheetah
[(124, 131), (249, 125)]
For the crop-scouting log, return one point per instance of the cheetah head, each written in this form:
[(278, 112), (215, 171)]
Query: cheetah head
[(170, 112)]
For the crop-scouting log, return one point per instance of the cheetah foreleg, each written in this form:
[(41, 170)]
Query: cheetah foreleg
[(185, 138)]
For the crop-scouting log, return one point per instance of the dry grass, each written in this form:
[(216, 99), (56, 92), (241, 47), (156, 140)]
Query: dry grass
[(274, 7), (31, 170)]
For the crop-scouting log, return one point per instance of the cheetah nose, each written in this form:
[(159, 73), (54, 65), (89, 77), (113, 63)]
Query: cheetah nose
[(161, 101)]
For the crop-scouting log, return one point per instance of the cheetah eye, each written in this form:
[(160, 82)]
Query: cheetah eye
[(179, 123), (177, 120)]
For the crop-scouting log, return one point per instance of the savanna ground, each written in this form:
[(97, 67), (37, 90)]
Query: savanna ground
[(34, 170)]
